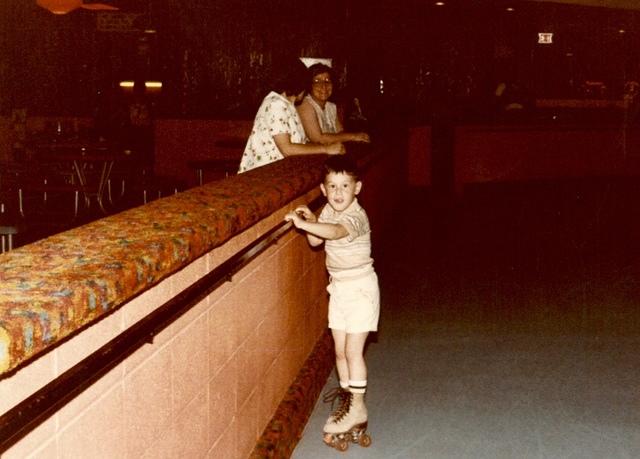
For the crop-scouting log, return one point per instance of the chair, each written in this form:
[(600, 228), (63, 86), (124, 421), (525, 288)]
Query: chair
[(37, 203), (156, 187), (10, 225), (11, 222), (122, 182), (138, 185), (41, 198)]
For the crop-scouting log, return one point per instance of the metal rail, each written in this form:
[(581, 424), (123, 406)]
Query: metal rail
[(31, 412)]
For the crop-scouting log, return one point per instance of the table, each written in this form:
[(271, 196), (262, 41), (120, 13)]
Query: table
[(92, 189), (81, 153)]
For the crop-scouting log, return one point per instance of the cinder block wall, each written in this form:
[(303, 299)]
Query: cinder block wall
[(210, 382)]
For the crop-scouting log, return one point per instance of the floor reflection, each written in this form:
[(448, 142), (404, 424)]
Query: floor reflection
[(509, 329)]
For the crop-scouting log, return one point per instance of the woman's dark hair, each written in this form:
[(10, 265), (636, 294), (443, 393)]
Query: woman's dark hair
[(341, 164), (292, 78)]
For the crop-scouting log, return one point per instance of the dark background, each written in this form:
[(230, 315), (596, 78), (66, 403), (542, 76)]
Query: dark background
[(218, 58)]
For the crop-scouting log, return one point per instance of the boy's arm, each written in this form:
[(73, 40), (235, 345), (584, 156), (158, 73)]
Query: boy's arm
[(323, 231), (317, 233), (314, 241), (304, 213)]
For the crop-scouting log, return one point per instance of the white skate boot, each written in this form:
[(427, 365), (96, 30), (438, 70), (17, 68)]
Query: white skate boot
[(337, 396), (348, 424)]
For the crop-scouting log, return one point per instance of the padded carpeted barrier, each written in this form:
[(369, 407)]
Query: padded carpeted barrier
[(283, 432)]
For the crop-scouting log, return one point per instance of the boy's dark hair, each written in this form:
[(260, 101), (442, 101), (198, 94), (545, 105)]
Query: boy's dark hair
[(292, 77), (341, 164)]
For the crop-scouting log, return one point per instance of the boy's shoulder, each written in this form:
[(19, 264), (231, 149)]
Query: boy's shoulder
[(356, 207)]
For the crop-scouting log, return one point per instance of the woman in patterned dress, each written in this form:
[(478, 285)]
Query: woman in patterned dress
[(277, 129)]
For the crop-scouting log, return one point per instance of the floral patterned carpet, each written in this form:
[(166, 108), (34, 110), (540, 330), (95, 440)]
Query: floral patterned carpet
[(54, 287)]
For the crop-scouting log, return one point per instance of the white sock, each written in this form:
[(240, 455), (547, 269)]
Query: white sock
[(358, 387)]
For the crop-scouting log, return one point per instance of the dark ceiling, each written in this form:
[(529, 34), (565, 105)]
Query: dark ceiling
[(64, 64), (618, 4)]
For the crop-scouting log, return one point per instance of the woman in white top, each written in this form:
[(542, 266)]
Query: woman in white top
[(277, 129), (320, 116)]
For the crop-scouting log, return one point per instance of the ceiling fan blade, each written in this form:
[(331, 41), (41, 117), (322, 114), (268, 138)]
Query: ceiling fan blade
[(98, 6)]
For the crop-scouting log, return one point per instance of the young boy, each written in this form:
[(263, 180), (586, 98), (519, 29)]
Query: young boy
[(354, 304)]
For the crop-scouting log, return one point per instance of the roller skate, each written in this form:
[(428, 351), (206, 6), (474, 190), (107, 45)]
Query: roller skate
[(348, 424)]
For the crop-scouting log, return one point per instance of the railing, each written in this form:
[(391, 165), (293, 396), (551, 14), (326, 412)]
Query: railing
[(96, 282), (27, 415), (135, 249)]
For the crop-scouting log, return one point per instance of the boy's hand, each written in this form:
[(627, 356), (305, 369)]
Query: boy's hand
[(300, 215), (295, 218), (305, 213)]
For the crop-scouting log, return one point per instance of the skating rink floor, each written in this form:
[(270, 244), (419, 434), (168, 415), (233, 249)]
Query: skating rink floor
[(510, 327)]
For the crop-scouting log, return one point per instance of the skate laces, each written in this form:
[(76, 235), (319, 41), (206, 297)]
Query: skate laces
[(337, 393), (344, 407), (344, 402)]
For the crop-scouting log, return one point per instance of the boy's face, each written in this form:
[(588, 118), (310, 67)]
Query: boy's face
[(340, 190)]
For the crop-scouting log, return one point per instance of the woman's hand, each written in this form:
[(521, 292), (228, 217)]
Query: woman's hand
[(335, 148), (361, 137)]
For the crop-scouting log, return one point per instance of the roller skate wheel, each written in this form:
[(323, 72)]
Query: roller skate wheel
[(364, 440), (342, 445)]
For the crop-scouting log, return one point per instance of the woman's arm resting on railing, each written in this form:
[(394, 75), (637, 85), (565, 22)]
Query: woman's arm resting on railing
[(287, 148), (315, 134)]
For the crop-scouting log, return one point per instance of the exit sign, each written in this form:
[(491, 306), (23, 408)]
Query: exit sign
[(545, 38), (117, 22)]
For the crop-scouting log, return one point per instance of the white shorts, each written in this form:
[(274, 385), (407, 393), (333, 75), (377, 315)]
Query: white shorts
[(354, 305)]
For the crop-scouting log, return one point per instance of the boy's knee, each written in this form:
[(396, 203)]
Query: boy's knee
[(354, 356), (340, 355)]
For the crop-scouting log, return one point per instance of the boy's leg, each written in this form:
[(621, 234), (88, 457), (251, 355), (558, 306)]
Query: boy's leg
[(349, 349), (353, 411), (354, 350), (342, 395), (342, 367), (357, 373)]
